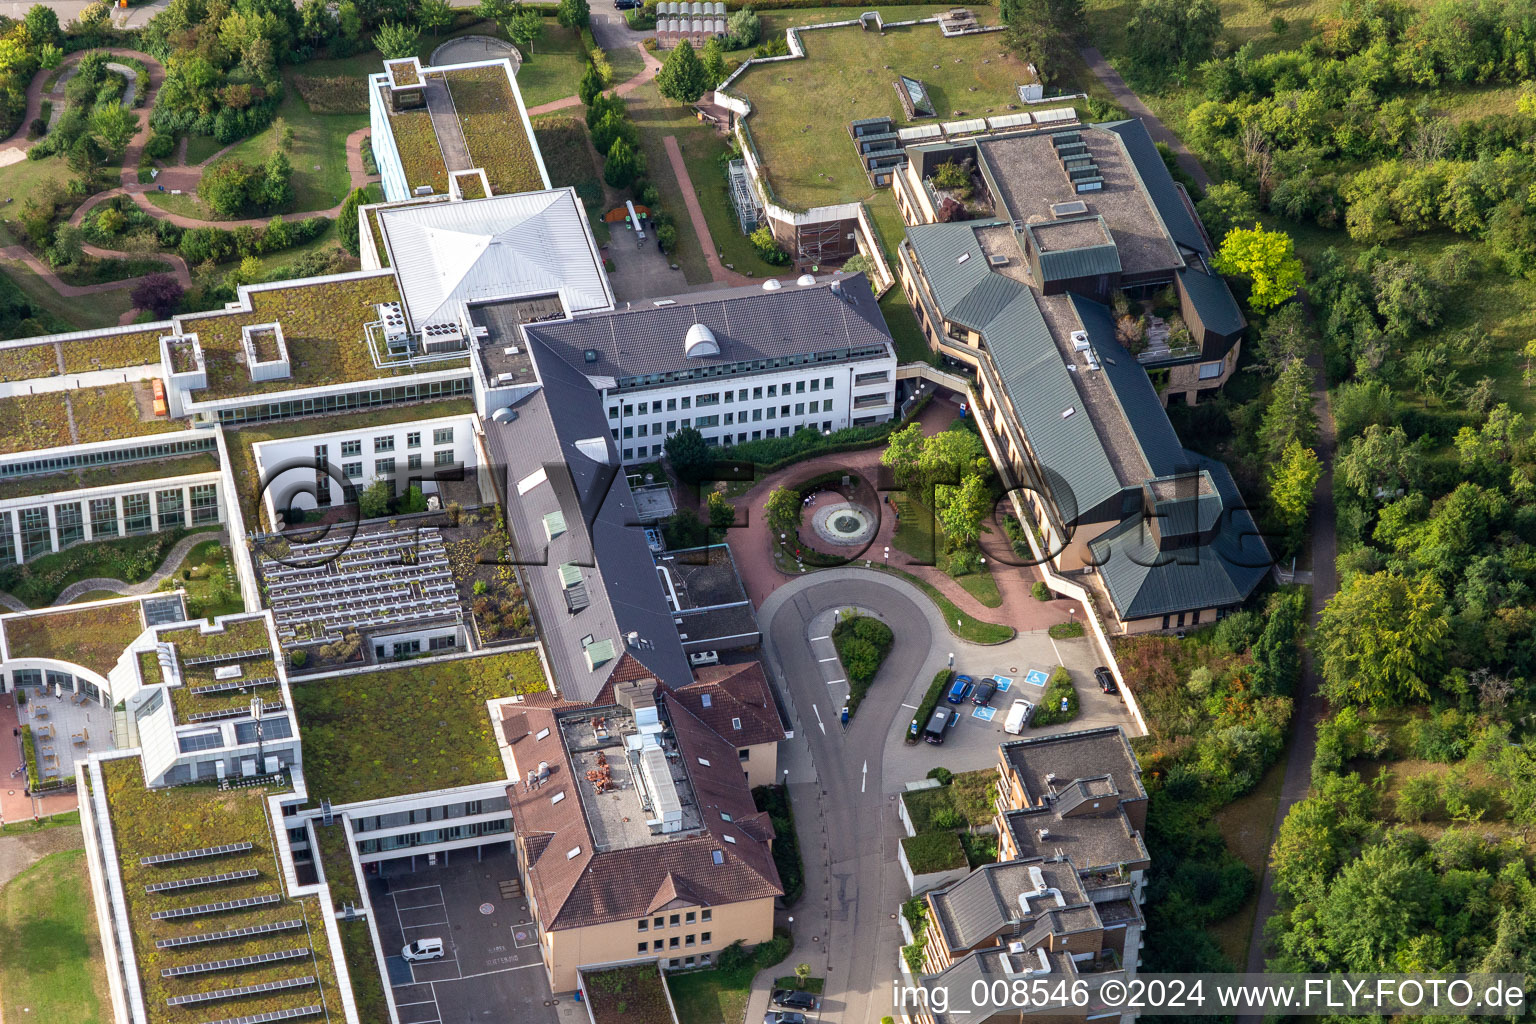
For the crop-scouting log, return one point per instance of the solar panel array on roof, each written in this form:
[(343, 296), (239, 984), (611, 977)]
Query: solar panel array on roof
[(243, 990), (236, 712), (215, 908), (216, 659), (188, 883), (239, 961), (207, 851), (233, 684), (263, 1018), (200, 938)]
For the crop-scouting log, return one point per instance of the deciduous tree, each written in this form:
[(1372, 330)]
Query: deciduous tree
[(782, 510), (396, 41), (1267, 259), (682, 77), (1382, 639)]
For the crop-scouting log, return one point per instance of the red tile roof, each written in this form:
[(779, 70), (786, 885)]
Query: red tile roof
[(736, 694)]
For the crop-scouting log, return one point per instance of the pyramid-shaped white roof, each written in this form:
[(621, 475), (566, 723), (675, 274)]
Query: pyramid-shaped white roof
[(504, 247)]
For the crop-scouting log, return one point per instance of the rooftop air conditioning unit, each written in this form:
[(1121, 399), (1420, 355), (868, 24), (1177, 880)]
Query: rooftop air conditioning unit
[(1080, 341), (1045, 834), (1093, 363), (393, 319), (511, 350)]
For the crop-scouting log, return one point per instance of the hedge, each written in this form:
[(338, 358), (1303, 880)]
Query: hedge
[(933, 851), (1066, 630), (930, 703), (1049, 712), (786, 842), (773, 453)]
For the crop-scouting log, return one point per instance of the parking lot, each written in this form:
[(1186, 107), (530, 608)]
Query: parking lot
[(972, 742), (490, 969)]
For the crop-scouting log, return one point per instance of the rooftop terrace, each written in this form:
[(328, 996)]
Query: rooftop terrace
[(205, 664), (413, 728), (631, 796), (221, 940)]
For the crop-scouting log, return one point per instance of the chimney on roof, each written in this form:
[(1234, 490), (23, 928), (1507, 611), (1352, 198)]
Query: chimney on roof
[(1045, 834), (639, 693)]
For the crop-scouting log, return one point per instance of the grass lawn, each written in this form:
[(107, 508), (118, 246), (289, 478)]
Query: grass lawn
[(966, 626), (626, 62), (810, 159), (201, 147), (811, 985), (16, 828), (95, 595), (319, 154), (553, 69), (569, 159), (919, 535), (711, 997), (54, 970), (657, 117), (59, 313), (206, 576), (1247, 824)]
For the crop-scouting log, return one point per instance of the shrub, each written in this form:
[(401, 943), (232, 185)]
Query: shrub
[(298, 658), (1040, 592), (159, 146), (158, 293), (1066, 630), (942, 774), (1058, 689), (933, 851), (768, 248)]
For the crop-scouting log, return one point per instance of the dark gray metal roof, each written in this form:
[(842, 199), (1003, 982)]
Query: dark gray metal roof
[(1159, 184), (1144, 581), (1213, 301), (1138, 399), (1068, 264), (748, 323), (1038, 383)]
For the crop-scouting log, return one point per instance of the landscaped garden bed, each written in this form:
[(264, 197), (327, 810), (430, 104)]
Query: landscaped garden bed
[(929, 852), (964, 801), (206, 575), (130, 559), (862, 643), (410, 729), (91, 637), (484, 572), (786, 841), (1058, 690)]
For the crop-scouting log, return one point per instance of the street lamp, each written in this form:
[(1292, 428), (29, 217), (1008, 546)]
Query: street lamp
[(256, 712)]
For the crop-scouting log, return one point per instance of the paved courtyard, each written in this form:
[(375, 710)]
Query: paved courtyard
[(491, 969)]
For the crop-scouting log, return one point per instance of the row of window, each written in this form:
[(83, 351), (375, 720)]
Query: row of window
[(138, 453), (384, 467), (423, 815), (434, 836), (658, 429), (630, 454), (851, 354), (713, 398), (702, 939), (440, 435), (343, 402), (675, 920), (68, 518)]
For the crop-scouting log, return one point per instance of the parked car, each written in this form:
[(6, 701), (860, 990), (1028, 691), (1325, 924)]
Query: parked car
[(794, 999), (960, 689), (1018, 717), (1106, 681), (982, 695), (783, 1017), (933, 732), (423, 949)]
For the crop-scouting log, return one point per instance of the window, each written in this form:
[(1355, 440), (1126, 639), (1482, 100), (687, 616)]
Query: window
[(671, 405), (772, 412), (629, 432), (688, 940), (645, 926), (351, 448), (705, 915), (730, 396), (675, 920), (413, 460), (690, 917), (706, 937), (443, 458), (710, 399), (744, 754), (757, 392), (659, 922), (687, 422), (757, 415), (784, 411), (799, 387), (643, 946), (799, 408), (1210, 371), (645, 430), (629, 453), (384, 444), (442, 435), (205, 504), (104, 515), (613, 412), (442, 643), (815, 385), (674, 942), (169, 505), (413, 439), (730, 418), (37, 535), (657, 944), (671, 426), (352, 470), (644, 408), (707, 421), (757, 435), (874, 377), (687, 401), (827, 383), (135, 514), (383, 467), (741, 396), (773, 391), (71, 523), (629, 410)]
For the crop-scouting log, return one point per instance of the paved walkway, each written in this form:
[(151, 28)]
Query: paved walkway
[(1311, 707), (752, 550), (168, 567), (15, 804), (718, 272), (1133, 106), (652, 65)]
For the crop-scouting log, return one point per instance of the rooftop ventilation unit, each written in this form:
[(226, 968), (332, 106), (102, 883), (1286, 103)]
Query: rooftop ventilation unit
[(393, 319), (1045, 834), (1079, 341), (1093, 362), (962, 257), (1068, 411)]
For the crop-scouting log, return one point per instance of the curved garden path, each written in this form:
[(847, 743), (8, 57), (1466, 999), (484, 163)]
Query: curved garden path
[(168, 567), (652, 66)]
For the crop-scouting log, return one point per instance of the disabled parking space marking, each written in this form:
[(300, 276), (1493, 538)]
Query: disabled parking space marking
[(984, 713), (1004, 683), (1034, 677)]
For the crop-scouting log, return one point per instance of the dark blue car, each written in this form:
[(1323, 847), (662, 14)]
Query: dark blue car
[(960, 690)]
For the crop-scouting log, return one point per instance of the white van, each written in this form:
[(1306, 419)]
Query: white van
[(423, 949), (1018, 717)]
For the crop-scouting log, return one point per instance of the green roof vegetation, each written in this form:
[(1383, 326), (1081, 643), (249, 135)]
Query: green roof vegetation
[(242, 460), (322, 327), (28, 422), (421, 158), (492, 123), (91, 636), (146, 822), (104, 414), (410, 729), (29, 361), (966, 800), (237, 637), (149, 668), (110, 351), (109, 475), (933, 851), (356, 941), (621, 995)]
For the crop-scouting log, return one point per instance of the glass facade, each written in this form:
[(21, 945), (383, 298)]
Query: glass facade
[(205, 504), (172, 516), (262, 411), (137, 453), (136, 517), (71, 523), (36, 533), (103, 517)]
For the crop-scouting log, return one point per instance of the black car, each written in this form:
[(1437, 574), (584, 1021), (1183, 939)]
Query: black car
[(783, 1017), (982, 695), (1106, 681), (793, 999)]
